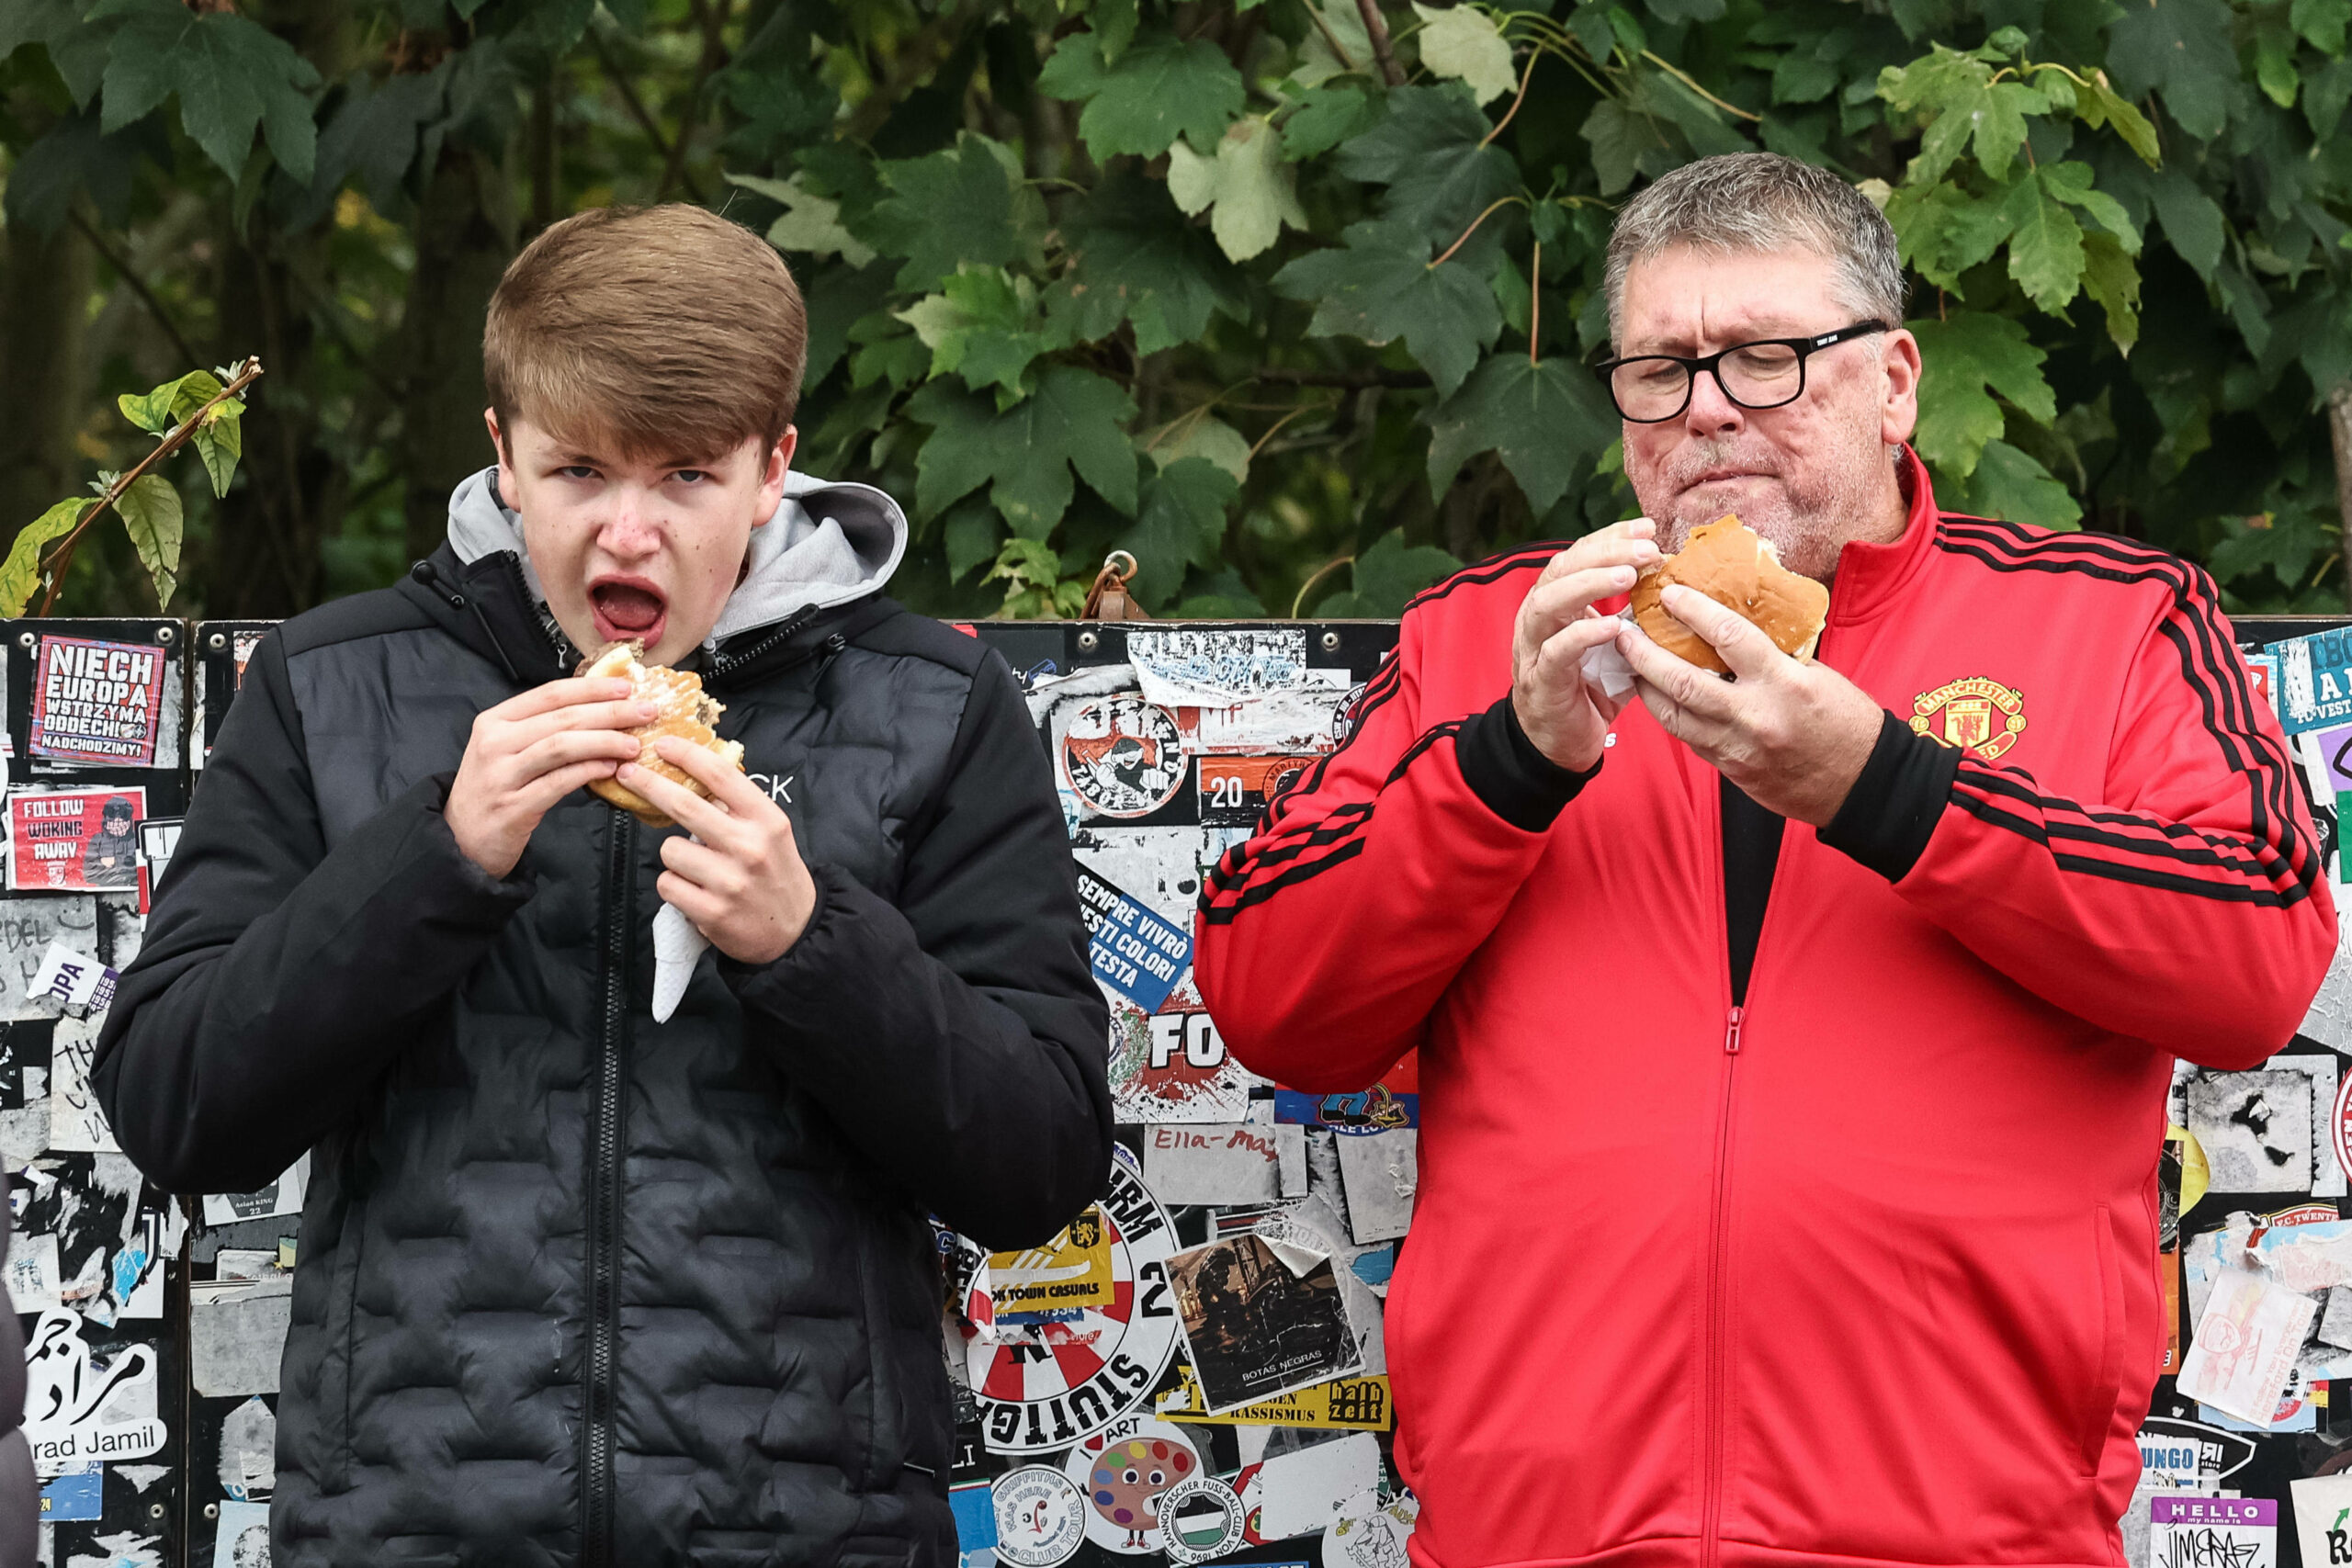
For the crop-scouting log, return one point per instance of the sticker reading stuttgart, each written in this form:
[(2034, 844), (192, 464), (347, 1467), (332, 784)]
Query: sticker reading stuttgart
[(97, 702)]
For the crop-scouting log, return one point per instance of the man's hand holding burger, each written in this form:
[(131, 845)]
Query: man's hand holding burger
[(1568, 719), (744, 885), (530, 752), (1793, 735)]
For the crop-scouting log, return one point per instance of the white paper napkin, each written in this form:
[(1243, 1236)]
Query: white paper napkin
[(678, 944)]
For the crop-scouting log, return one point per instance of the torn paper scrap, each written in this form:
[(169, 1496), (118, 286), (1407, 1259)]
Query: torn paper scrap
[(236, 1332), (1223, 1164), (1380, 1172), (1301, 1493)]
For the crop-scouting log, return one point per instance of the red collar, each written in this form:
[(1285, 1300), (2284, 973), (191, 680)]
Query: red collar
[(1871, 577)]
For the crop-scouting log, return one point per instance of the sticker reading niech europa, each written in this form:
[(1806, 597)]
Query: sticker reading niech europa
[(77, 841), (96, 702)]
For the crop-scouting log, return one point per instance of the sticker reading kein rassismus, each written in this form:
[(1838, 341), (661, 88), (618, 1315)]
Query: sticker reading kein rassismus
[(1045, 1387), (96, 702)]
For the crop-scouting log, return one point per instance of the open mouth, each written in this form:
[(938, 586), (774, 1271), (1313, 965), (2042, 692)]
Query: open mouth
[(627, 607)]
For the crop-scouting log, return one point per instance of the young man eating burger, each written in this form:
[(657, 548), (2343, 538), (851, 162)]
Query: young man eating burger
[(577, 1286)]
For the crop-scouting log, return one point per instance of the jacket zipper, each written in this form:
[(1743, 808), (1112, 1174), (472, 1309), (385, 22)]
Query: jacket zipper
[(604, 1195)]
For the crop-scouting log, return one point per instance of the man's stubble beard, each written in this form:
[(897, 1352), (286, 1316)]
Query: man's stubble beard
[(1808, 516)]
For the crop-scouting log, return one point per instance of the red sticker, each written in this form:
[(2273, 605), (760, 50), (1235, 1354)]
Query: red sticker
[(75, 841)]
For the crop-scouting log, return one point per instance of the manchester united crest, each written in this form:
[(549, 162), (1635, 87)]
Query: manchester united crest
[(1974, 715)]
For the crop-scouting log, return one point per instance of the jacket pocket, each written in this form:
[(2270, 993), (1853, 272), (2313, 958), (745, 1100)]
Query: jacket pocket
[(883, 1443), (2107, 1382), (338, 1344)]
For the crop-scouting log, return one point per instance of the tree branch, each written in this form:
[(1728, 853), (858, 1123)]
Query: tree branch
[(636, 106), (130, 279), (714, 15), (1377, 26), (1375, 376)]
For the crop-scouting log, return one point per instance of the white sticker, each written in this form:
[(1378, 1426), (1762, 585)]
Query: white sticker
[(2246, 1346)]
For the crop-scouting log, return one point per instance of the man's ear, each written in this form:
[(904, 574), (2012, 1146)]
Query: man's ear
[(1900, 414), (505, 461), (778, 467)]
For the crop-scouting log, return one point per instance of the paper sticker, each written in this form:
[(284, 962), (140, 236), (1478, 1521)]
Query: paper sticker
[(1306, 1491), (2244, 1348), (72, 979), (79, 1408), (32, 1274), (1381, 1175), (2265, 1131), (974, 1504), (237, 1334), (242, 1540), (1071, 1270), (1395, 1102), (75, 1497), (1372, 1533), (284, 1196), (249, 1451), (1228, 1164), (1254, 1329), (1234, 791), (96, 702), (1172, 1065), (2213, 1532), (1042, 1387), (29, 927), (1134, 953), (2314, 680), (2323, 1518), (1200, 1519), (1122, 756), (1197, 667), (158, 837), (74, 839), (1040, 1517), (75, 1119), (1125, 1473), (1359, 1404)]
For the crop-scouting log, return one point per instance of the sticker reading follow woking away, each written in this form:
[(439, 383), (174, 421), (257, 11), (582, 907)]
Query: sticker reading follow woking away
[(97, 702), (1134, 952), (75, 841)]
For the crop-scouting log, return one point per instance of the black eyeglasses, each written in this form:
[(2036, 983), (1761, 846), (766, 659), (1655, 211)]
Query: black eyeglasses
[(1650, 388)]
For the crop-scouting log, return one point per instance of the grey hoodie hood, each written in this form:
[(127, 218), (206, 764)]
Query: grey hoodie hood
[(826, 545)]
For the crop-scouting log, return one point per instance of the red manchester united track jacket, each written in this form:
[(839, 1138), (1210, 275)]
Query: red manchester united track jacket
[(1863, 1272)]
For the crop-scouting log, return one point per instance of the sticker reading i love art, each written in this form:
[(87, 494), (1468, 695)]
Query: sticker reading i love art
[(96, 702)]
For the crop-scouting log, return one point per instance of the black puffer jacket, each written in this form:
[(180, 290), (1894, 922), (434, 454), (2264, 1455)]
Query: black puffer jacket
[(19, 1491), (575, 1286)]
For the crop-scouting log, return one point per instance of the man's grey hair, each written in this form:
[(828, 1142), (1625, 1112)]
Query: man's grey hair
[(1761, 202)]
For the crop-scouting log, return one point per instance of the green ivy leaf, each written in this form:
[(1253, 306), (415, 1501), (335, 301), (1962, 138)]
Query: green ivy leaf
[(2105, 106), (151, 411), (2008, 484), (1328, 116), (231, 74), (1462, 43), (1075, 419), (1135, 258), (970, 536), (1202, 435), (2112, 278), (1548, 421), (219, 442), (1181, 523), (20, 573), (1380, 286), (1626, 142), (1254, 192), (150, 510), (1387, 575), (811, 224), (1943, 231), (1427, 151), (1967, 358), (983, 324), (1962, 102), (2321, 23), (962, 204), (2045, 244), (2192, 221), (2183, 50), (2070, 183), (1158, 90)]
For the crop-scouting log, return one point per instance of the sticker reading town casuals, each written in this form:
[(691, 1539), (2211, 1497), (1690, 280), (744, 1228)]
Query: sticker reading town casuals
[(96, 702), (1048, 1385), (75, 841), (1040, 1516), (1071, 1270), (1123, 757)]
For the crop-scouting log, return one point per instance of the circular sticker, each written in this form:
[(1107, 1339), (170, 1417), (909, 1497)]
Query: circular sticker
[(1202, 1518), (1371, 1533), (1123, 756), (1127, 1473), (1045, 1385), (1040, 1516)]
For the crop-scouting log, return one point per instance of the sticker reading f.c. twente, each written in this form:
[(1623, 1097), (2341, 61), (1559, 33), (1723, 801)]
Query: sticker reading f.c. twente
[(1123, 756), (1134, 952), (96, 702), (1045, 1387)]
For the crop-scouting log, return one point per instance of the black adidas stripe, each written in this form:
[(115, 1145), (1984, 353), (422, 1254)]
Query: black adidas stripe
[(2138, 876), (2202, 849)]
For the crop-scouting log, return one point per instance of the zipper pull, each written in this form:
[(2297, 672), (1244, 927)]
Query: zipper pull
[(1731, 1033)]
